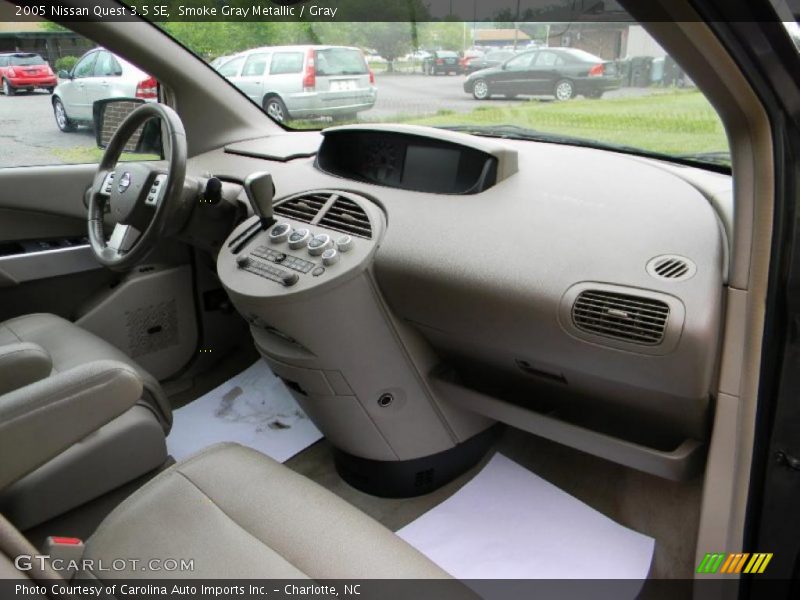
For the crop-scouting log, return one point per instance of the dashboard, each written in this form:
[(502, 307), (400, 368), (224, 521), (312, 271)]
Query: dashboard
[(578, 297)]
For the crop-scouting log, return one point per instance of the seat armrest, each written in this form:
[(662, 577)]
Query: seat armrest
[(40, 420), (21, 364)]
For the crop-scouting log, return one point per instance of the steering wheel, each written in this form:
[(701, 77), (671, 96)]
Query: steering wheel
[(140, 196)]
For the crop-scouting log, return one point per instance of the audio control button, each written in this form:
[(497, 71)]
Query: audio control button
[(279, 233), (318, 271), (299, 238), (330, 257), (289, 279), (319, 243), (243, 261), (344, 243)]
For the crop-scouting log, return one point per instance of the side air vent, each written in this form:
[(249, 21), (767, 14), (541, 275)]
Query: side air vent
[(302, 208), (348, 217), (632, 319), (672, 267)]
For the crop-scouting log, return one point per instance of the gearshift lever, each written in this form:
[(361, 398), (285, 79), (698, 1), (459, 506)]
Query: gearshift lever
[(260, 191)]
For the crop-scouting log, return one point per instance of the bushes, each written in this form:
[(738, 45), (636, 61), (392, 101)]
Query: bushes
[(65, 63)]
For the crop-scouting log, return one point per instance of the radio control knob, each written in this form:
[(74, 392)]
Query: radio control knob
[(299, 238), (279, 233), (289, 279), (330, 257), (319, 243), (243, 261), (344, 243)]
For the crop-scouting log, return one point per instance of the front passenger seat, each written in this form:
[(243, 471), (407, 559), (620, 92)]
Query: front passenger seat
[(97, 419)]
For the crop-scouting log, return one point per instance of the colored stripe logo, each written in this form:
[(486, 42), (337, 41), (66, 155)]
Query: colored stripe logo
[(734, 563)]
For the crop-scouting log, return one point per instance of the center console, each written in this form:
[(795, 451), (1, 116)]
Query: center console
[(305, 285)]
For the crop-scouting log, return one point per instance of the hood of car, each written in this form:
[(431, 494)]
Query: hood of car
[(486, 71)]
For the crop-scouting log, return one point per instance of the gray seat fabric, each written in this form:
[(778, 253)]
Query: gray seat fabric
[(69, 346), (239, 514)]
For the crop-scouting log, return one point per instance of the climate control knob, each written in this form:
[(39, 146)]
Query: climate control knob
[(330, 257), (289, 279), (279, 233), (299, 238), (344, 243), (319, 244)]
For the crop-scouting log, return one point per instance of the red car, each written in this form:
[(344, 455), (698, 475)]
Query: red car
[(25, 71)]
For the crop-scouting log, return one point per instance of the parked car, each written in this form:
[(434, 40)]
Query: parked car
[(441, 61), (219, 61), (467, 56), (560, 72), (25, 71), (304, 81), (494, 58), (98, 75)]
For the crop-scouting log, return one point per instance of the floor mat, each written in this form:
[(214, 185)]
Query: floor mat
[(254, 408), (508, 523)]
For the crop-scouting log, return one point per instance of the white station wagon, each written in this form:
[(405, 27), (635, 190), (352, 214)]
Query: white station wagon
[(304, 81)]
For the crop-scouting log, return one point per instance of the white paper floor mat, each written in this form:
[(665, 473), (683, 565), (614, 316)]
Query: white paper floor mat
[(508, 523), (254, 409)]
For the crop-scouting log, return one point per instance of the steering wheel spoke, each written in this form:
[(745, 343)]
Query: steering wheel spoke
[(123, 238)]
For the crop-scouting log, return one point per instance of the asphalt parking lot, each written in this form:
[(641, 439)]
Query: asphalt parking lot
[(29, 135)]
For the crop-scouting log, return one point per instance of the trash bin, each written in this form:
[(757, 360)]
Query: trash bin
[(640, 70), (657, 71)]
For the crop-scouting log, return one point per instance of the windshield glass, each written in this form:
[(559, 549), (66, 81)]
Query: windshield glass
[(601, 83), (24, 60)]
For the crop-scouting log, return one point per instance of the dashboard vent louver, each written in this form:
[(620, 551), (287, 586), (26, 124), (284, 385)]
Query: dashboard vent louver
[(632, 319), (302, 208), (672, 267), (348, 217)]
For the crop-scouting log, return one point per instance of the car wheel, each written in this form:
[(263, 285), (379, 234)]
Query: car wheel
[(50, 90), (8, 90), (564, 90), (276, 109), (480, 89), (63, 122)]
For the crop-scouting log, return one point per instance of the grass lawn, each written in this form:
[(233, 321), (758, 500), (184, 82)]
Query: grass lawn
[(674, 122)]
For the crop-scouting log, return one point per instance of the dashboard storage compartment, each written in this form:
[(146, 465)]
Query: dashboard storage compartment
[(677, 460)]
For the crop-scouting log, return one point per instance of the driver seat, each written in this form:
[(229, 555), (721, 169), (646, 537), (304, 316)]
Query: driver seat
[(85, 416)]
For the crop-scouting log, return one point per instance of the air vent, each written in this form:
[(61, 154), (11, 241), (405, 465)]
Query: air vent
[(672, 267), (632, 319), (302, 208), (348, 217)]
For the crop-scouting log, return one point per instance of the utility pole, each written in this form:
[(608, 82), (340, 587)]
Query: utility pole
[(516, 26)]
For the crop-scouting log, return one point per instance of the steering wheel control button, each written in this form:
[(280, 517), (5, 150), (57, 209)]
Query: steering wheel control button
[(109, 181), (344, 243), (319, 244), (243, 261), (330, 257), (318, 271), (155, 190), (299, 238), (279, 233)]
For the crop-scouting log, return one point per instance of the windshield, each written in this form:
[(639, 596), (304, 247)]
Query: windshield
[(604, 83), (24, 60)]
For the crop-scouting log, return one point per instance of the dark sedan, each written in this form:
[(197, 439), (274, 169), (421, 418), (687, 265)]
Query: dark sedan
[(441, 61), (490, 59), (560, 72)]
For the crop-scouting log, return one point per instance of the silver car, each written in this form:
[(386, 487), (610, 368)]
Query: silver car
[(304, 81), (98, 75)]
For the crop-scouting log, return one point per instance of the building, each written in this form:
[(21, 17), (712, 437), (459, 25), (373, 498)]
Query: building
[(33, 37), (500, 37)]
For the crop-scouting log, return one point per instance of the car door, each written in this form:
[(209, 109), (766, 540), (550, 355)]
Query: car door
[(99, 85), (251, 78), (546, 70), (514, 76), (73, 92), (231, 69)]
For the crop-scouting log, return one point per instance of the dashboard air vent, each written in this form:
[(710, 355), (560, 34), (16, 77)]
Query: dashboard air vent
[(348, 217), (632, 319), (302, 208), (672, 267)]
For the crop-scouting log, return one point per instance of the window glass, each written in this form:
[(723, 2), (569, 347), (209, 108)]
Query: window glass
[(231, 67), (106, 65), (340, 61), (286, 62), (548, 59), (85, 67), (520, 63), (24, 60), (255, 65)]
